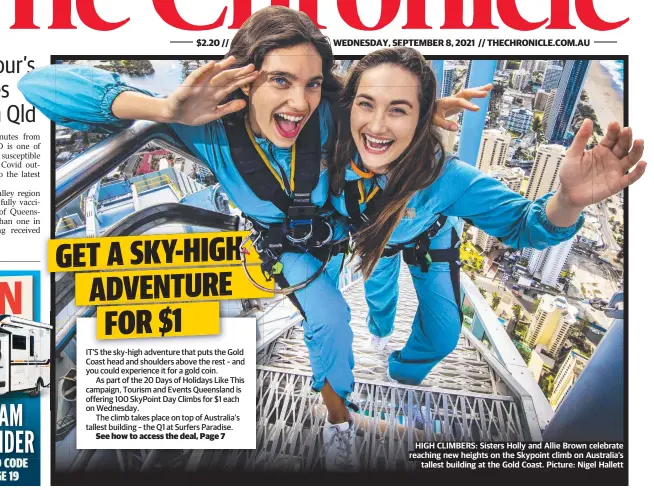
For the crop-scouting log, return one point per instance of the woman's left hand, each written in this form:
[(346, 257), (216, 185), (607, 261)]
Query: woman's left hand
[(588, 177), (449, 106)]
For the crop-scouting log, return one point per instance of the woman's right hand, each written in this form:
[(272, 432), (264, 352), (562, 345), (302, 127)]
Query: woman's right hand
[(197, 100)]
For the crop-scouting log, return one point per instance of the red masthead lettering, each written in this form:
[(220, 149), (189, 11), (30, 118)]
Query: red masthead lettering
[(510, 14), (588, 15), (348, 10), (168, 12), (61, 18)]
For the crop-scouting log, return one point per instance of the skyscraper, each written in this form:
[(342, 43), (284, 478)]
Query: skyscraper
[(528, 65), (548, 107), (544, 175), (449, 73), (483, 240), (552, 76), (520, 79), (449, 138), (546, 265), (551, 323), (540, 102), (467, 83), (494, 145), (567, 97), (541, 66), (568, 374)]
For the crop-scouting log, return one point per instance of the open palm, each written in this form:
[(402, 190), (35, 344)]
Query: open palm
[(588, 177), (198, 100)]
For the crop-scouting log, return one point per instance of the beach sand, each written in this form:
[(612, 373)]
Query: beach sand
[(603, 97)]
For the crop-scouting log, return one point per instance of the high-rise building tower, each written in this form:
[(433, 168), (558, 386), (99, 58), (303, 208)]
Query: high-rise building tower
[(568, 374), (501, 65), (548, 107), (467, 83), (494, 145), (567, 96), (449, 74), (541, 66), (546, 265), (520, 79), (449, 138), (540, 102), (551, 323), (552, 76), (544, 175), (483, 240), (528, 65)]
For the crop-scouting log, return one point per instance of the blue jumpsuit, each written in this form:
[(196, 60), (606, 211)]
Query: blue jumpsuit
[(460, 191), (81, 97)]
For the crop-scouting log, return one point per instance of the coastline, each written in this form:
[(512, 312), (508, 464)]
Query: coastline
[(603, 96)]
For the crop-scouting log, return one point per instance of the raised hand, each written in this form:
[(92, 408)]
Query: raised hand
[(588, 177), (197, 100), (449, 106)]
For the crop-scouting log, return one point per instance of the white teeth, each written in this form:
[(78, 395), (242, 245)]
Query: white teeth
[(377, 141), (291, 118)]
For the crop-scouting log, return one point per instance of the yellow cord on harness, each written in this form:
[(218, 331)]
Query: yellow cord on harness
[(287, 290), (267, 162)]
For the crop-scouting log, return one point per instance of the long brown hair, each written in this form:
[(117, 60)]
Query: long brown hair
[(416, 168), (274, 28)]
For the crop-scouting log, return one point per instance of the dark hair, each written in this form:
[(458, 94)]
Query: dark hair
[(416, 168), (274, 28)]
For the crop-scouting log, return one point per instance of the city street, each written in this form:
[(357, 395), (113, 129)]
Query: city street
[(609, 239)]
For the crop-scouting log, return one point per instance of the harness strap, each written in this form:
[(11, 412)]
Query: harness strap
[(426, 235), (251, 163), (354, 196)]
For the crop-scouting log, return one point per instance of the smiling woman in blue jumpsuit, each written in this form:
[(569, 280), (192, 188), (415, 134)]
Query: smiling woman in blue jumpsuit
[(404, 201), (278, 69)]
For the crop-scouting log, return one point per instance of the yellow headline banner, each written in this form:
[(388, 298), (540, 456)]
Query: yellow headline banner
[(143, 252), (161, 320), (156, 286)]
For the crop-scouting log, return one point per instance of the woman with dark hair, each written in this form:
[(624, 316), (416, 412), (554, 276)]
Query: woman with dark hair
[(391, 176), (249, 117)]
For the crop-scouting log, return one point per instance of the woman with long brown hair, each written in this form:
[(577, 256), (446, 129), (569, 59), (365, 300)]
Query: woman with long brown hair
[(403, 193), (247, 117)]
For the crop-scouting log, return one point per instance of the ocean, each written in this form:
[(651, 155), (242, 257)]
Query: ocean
[(615, 68)]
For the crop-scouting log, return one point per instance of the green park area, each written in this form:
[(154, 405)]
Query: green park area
[(471, 257)]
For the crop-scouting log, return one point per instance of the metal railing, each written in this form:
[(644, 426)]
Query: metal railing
[(486, 325), (82, 172)]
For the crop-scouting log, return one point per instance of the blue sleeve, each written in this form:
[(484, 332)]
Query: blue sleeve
[(491, 206), (80, 97), (76, 96)]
